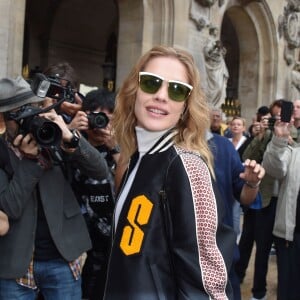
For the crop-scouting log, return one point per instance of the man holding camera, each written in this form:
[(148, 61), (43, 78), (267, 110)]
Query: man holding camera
[(282, 161), (97, 198), (47, 234)]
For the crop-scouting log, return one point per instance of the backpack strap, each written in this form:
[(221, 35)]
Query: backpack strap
[(4, 159)]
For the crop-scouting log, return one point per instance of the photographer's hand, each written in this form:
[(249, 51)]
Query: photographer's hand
[(27, 145), (80, 121), (282, 129), (111, 143), (54, 117), (108, 137), (72, 108), (255, 128)]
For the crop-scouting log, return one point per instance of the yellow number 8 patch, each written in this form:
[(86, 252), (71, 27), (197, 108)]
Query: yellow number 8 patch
[(138, 214)]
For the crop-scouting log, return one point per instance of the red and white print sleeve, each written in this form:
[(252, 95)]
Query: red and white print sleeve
[(211, 261)]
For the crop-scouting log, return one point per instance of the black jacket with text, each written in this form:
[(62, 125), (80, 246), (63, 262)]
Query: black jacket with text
[(170, 242)]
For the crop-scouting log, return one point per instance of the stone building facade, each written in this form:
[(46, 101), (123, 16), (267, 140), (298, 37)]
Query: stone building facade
[(250, 48)]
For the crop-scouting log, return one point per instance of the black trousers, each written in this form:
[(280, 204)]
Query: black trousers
[(288, 266), (94, 275), (257, 227)]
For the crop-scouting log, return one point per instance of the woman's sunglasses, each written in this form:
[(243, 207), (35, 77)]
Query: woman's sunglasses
[(150, 83)]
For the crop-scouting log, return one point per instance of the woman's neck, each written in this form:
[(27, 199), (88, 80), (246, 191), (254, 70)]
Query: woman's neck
[(237, 137), (146, 139)]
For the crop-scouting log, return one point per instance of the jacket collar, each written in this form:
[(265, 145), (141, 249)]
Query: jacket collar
[(150, 142), (165, 142)]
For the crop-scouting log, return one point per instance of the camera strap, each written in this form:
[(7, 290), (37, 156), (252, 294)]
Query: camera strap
[(58, 103), (5, 160)]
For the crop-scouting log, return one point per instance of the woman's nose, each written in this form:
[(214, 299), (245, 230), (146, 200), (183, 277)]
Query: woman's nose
[(162, 93)]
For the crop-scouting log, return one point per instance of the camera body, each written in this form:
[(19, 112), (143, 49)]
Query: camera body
[(51, 87), (45, 132), (97, 120), (286, 113), (287, 108), (271, 122)]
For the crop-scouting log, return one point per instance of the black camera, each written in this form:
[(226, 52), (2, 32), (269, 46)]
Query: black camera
[(51, 86), (45, 132), (271, 122), (97, 120), (287, 108)]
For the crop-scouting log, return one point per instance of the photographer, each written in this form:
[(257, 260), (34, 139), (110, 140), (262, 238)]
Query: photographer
[(64, 74), (47, 235), (259, 217), (282, 161), (97, 198)]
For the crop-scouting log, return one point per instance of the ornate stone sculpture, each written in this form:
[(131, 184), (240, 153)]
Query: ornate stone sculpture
[(289, 27), (221, 2), (245, 2), (199, 15), (295, 81), (207, 3), (216, 72), (200, 23)]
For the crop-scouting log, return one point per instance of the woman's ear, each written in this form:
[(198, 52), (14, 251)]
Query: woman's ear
[(2, 124)]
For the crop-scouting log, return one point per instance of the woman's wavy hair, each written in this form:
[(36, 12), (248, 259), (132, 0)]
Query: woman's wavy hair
[(192, 126)]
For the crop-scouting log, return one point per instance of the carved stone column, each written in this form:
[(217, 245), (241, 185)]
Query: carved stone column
[(12, 14)]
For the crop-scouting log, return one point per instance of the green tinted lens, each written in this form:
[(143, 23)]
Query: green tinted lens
[(149, 83), (178, 91)]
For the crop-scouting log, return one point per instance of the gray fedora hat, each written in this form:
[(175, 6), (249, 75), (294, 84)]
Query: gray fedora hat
[(15, 93)]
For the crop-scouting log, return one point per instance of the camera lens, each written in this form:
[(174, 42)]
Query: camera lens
[(46, 132), (97, 120)]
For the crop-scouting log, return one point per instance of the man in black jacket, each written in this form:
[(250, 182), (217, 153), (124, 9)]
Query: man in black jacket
[(47, 235)]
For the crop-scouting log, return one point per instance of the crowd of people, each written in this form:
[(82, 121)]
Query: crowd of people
[(270, 221), (137, 195)]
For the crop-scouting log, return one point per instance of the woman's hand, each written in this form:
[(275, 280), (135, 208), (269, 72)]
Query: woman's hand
[(253, 172)]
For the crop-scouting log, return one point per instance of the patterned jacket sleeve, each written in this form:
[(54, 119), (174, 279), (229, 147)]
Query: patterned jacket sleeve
[(195, 223)]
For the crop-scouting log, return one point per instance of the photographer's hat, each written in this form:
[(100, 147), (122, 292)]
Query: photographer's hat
[(15, 93)]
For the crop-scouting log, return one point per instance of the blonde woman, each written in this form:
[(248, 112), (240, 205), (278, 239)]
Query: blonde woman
[(168, 241), (237, 129)]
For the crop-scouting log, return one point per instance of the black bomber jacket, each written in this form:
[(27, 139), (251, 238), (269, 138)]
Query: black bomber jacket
[(170, 242)]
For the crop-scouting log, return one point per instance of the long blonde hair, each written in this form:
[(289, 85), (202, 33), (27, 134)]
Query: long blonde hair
[(192, 126)]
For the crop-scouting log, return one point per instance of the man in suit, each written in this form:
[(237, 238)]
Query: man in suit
[(47, 234)]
